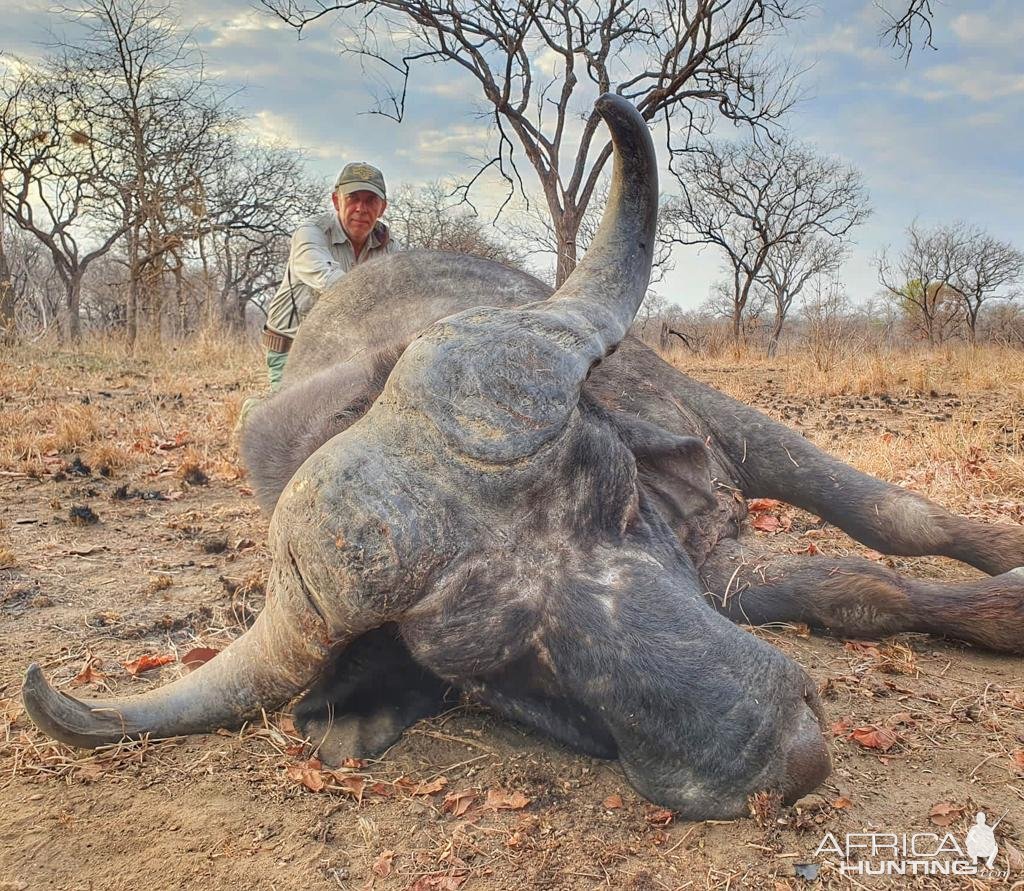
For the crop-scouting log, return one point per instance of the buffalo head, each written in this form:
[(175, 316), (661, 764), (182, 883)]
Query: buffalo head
[(521, 537)]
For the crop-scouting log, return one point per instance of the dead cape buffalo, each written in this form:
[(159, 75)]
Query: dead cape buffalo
[(471, 487)]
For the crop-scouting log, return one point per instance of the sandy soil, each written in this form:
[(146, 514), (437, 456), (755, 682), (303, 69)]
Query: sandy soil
[(172, 559)]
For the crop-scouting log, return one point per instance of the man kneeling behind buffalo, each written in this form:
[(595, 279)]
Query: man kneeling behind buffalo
[(322, 251)]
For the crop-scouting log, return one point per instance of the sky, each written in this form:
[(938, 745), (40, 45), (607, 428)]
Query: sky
[(937, 140)]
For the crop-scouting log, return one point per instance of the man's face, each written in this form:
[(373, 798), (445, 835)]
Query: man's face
[(359, 212)]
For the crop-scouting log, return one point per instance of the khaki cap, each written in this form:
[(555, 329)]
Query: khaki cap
[(360, 176)]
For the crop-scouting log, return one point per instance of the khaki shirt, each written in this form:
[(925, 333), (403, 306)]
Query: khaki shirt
[(320, 255)]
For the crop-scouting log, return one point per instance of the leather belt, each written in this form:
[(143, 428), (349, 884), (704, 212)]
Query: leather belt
[(279, 343)]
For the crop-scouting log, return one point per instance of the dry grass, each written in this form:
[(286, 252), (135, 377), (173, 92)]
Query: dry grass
[(940, 444), (62, 404), (953, 368)]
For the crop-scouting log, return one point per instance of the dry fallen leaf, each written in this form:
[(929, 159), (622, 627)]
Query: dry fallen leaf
[(382, 865), (840, 727), (90, 673), (943, 813), (499, 800), (862, 648), (841, 803), (11, 710), (415, 788), (1014, 858), (1018, 759), (350, 783), (457, 803), (766, 523), (754, 505), (307, 774), (197, 656), (612, 801), (89, 771), (438, 883), (148, 663), (659, 816), (872, 737)]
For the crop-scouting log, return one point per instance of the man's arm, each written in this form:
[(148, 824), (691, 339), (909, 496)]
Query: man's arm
[(311, 259)]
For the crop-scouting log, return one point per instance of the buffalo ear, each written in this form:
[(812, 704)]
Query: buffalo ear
[(673, 470)]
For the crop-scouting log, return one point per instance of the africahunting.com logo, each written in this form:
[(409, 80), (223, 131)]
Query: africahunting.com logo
[(914, 853)]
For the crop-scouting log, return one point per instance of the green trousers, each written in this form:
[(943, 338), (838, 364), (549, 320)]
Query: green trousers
[(275, 367)]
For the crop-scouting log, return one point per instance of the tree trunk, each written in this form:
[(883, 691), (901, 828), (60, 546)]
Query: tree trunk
[(179, 297), (132, 308), (73, 306), (237, 320), (8, 332), (972, 326), (773, 340), (567, 229)]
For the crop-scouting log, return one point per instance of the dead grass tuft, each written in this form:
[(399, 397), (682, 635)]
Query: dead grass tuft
[(953, 367), (7, 559), (191, 471), (108, 459), (158, 583)]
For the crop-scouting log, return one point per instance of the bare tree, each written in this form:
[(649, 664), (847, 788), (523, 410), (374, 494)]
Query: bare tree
[(721, 303), (681, 62), (1005, 323), (647, 324), (166, 123), (427, 217), (824, 312), (988, 269), (760, 201), (252, 198), (789, 267), (534, 234), (921, 278), (8, 296), (908, 19), (56, 174)]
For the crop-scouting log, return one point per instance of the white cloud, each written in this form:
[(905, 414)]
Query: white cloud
[(999, 28), (464, 139), (971, 79), (987, 119), (268, 126), (846, 40), (240, 28), (449, 89), (548, 62)]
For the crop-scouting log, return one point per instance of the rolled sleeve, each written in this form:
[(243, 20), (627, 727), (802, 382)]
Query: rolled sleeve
[(311, 259)]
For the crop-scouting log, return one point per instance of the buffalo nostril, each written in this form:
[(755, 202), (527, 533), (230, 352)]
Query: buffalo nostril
[(807, 759)]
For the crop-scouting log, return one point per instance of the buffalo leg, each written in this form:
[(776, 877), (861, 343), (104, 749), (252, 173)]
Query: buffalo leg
[(767, 459), (855, 597), (368, 696)]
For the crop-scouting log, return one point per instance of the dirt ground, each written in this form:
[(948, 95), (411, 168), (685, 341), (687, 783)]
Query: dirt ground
[(127, 529)]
